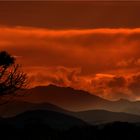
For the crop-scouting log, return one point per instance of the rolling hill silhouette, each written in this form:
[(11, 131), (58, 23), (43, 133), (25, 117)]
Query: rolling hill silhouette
[(77, 100), (76, 103), (14, 108), (52, 119), (44, 125), (65, 97), (103, 116), (90, 116)]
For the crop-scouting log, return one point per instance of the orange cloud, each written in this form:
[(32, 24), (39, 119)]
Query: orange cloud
[(97, 60)]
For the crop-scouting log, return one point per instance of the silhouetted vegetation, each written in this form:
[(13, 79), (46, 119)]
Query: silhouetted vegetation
[(114, 131), (11, 77), (40, 125)]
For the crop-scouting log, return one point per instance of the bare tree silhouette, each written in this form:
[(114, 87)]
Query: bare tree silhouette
[(11, 76)]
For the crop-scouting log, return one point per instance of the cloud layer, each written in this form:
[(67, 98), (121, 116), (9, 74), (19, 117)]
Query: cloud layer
[(105, 62)]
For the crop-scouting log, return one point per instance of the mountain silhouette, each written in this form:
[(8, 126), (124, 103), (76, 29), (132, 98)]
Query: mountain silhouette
[(77, 100), (103, 116), (55, 120), (17, 107), (89, 116), (65, 97)]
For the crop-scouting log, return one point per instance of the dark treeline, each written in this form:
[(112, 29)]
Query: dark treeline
[(112, 131)]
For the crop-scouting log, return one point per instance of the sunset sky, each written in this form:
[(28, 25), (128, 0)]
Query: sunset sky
[(94, 46)]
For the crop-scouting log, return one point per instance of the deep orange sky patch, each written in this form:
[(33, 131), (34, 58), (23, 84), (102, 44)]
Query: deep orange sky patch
[(91, 45), (103, 61)]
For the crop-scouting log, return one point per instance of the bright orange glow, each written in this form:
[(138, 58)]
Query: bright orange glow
[(105, 61)]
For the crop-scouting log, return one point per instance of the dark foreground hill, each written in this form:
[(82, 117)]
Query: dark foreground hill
[(91, 116), (24, 127), (52, 119)]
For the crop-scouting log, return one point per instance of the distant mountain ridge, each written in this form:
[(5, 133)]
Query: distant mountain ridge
[(17, 107), (103, 116), (77, 100), (93, 117), (65, 97)]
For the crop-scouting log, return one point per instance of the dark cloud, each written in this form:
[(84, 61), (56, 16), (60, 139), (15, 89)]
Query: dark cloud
[(106, 86), (117, 82), (134, 85), (71, 15)]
